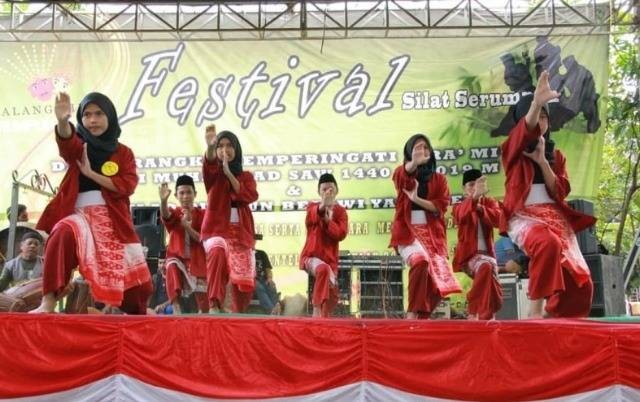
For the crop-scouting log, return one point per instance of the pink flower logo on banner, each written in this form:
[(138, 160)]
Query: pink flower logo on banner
[(42, 89)]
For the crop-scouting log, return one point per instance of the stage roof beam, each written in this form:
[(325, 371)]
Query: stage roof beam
[(306, 19)]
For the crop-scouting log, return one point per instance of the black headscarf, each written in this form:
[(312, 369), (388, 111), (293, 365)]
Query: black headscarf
[(99, 149), (425, 171), (520, 111), (236, 164)]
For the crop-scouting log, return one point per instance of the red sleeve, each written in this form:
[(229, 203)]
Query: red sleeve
[(463, 211), (439, 192), (559, 167), (248, 192), (403, 180), (197, 219), (173, 221), (126, 179), (209, 172), (517, 141), (69, 149), (336, 228), (312, 218), (490, 212)]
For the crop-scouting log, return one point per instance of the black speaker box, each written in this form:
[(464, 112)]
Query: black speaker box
[(586, 238), (146, 216), (608, 285), (381, 286), (152, 237), (509, 310)]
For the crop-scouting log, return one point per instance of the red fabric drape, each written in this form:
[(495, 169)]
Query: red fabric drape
[(261, 358)]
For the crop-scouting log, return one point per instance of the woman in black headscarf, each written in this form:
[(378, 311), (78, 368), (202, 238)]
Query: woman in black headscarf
[(89, 218), (537, 217), (227, 229), (418, 232)]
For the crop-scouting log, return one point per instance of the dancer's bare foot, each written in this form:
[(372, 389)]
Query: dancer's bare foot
[(47, 305), (411, 315), (317, 312), (536, 309)]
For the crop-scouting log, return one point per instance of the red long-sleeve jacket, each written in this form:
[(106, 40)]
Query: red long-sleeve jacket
[(438, 194), (125, 180), (519, 172), (220, 194), (175, 247), (323, 237), (467, 215)]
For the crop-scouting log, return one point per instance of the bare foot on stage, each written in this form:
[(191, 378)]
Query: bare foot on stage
[(411, 315), (47, 305), (536, 309)]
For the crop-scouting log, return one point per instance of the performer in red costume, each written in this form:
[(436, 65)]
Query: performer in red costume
[(228, 231), (476, 216), (537, 217), (418, 231), (89, 218), (186, 269), (326, 224)]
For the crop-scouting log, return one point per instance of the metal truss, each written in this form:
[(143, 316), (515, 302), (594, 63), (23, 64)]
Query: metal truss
[(272, 20)]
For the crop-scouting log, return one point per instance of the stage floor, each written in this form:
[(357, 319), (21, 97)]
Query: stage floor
[(211, 358)]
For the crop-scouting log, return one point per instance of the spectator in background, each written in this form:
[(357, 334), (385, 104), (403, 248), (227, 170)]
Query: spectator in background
[(26, 266), (266, 291), (23, 215)]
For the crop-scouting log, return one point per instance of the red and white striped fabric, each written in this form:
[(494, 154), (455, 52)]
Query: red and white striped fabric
[(124, 358)]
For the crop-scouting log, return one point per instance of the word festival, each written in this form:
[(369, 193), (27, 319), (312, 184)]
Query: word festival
[(181, 102)]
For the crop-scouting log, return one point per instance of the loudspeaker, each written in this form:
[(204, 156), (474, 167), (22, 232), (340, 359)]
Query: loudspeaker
[(515, 299), (586, 238), (152, 237), (146, 216), (608, 285), (153, 263), (381, 286), (509, 310)]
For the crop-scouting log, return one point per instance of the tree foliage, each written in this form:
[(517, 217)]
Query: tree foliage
[(618, 200)]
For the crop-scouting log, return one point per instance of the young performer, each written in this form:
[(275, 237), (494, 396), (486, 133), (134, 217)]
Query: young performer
[(186, 270), (418, 232), (227, 230), (537, 217), (326, 224), (476, 216), (89, 218)]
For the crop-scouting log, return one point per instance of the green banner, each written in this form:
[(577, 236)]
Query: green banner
[(302, 108)]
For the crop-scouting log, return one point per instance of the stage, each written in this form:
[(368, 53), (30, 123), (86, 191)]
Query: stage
[(211, 358)]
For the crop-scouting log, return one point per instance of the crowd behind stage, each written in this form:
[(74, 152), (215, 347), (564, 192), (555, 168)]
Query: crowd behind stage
[(211, 251)]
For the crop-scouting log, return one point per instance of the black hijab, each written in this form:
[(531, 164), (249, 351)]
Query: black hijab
[(425, 171), (521, 110), (236, 164), (99, 149)]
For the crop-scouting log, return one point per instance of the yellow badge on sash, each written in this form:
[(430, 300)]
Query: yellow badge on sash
[(109, 168)]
